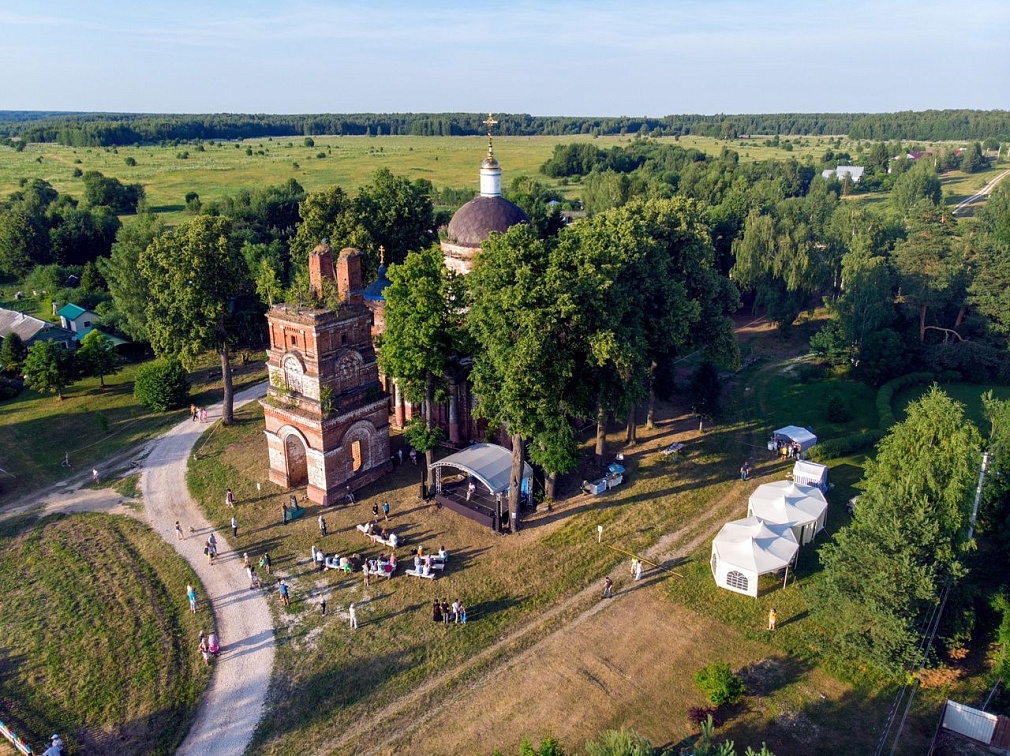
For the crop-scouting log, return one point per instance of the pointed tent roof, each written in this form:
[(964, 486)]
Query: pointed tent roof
[(787, 503), (489, 463), (755, 545)]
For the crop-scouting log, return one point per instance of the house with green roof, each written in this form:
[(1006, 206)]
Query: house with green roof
[(77, 320)]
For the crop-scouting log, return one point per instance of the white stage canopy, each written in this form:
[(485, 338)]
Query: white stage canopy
[(802, 508), (802, 436), (810, 474), (747, 549), (489, 463)]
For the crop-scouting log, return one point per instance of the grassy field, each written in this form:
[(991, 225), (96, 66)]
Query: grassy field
[(330, 682), (91, 423), (969, 394), (224, 168), (100, 644)]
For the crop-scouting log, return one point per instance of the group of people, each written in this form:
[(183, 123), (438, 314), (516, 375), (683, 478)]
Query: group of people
[(374, 530), (198, 413), (790, 449), (446, 614), (209, 647)]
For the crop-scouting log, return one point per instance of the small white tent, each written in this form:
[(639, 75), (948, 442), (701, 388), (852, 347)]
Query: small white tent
[(746, 549), (802, 436), (801, 508), (810, 474)]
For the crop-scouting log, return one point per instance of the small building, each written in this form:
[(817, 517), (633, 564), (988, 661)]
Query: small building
[(854, 173), (77, 320), (32, 329)]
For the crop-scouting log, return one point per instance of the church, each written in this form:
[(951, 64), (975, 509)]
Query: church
[(328, 410)]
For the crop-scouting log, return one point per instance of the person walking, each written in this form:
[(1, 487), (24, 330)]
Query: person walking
[(94, 476), (638, 569), (178, 531), (634, 565), (194, 412), (385, 510), (207, 552), (364, 570), (375, 511), (204, 650), (245, 559), (265, 562), (250, 573), (745, 470), (212, 542), (322, 606), (322, 525), (399, 453), (413, 457), (191, 595), (608, 587), (470, 488), (445, 612), (773, 618), (352, 615), (229, 498), (234, 526), (203, 414), (436, 611), (462, 614), (455, 611), (321, 560), (282, 589)]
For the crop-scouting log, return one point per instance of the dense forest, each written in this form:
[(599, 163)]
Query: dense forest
[(108, 129)]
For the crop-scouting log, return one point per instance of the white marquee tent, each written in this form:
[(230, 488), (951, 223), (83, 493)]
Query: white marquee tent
[(801, 508), (802, 436), (810, 474), (746, 549)]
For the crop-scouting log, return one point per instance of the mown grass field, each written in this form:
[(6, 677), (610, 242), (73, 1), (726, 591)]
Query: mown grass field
[(100, 644), (328, 679), (91, 423)]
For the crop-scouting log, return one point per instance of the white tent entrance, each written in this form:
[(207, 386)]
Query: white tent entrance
[(795, 434), (489, 467), (810, 474), (746, 549), (802, 508)]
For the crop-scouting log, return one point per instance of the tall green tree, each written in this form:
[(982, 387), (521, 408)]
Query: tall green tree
[(127, 284), (24, 240), (195, 276), (418, 341), (49, 368), (884, 572), (520, 319), (97, 355), (913, 186), (12, 354)]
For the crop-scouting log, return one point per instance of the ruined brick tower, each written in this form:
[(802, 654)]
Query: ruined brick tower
[(327, 422)]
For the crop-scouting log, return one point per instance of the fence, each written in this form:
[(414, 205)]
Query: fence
[(18, 743)]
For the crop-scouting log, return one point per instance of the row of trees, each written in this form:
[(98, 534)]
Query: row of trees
[(49, 367), (567, 327), (107, 129)]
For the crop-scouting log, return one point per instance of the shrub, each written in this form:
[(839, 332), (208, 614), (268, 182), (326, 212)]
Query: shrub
[(623, 742), (839, 408), (162, 385), (130, 161), (843, 447), (807, 373), (718, 682)]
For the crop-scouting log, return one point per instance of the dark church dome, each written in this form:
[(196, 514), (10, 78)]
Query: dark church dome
[(477, 219)]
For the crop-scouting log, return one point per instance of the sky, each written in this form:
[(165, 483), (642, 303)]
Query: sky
[(554, 57)]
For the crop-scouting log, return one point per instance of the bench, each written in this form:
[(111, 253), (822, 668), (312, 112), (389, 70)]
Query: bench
[(420, 574)]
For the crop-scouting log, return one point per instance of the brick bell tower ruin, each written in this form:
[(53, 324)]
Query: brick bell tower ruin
[(327, 422)]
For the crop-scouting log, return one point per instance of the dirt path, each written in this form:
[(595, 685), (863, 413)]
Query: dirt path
[(981, 194), (391, 728), (233, 703)]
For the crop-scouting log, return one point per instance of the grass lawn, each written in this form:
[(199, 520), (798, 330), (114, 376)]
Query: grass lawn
[(91, 423), (101, 645), (968, 394), (328, 679)]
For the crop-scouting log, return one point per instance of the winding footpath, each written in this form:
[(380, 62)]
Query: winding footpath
[(233, 703)]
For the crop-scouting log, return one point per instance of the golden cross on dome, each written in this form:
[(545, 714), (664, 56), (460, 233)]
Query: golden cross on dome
[(490, 122), (382, 255)]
